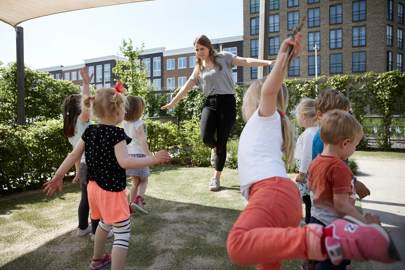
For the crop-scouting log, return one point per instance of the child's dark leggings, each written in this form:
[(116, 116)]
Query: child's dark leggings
[(307, 201), (217, 119), (84, 209)]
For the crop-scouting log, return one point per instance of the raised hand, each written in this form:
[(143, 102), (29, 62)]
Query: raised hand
[(85, 75), (168, 106)]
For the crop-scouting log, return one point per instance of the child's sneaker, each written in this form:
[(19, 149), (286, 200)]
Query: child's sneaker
[(84, 232), (138, 204), (99, 264), (352, 239)]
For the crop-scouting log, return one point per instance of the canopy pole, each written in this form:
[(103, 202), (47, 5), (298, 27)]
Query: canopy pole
[(21, 120)]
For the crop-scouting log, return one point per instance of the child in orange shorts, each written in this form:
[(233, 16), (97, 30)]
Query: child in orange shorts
[(105, 149)]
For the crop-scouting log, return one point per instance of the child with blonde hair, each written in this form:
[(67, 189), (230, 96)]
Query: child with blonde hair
[(105, 149), (267, 232), (134, 127), (306, 118)]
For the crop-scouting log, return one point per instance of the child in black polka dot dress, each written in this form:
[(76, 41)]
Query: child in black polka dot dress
[(105, 148)]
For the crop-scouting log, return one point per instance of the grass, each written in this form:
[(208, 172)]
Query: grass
[(378, 155), (186, 228)]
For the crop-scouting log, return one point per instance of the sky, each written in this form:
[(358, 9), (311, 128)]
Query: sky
[(69, 38)]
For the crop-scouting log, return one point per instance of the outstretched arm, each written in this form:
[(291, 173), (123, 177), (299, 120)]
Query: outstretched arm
[(56, 184), (127, 162), (274, 81), (182, 93), (85, 114), (251, 62)]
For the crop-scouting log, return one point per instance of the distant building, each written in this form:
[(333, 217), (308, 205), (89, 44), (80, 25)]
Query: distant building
[(350, 36)]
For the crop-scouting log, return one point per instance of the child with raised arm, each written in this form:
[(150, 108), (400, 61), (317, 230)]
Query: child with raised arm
[(105, 148), (135, 129), (75, 121), (267, 232), (306, 118)]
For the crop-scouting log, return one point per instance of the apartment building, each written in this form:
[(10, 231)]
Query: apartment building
[(166, 69), (347, 36)]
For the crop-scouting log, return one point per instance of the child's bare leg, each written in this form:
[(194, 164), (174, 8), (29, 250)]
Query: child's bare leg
[(143, 183), (100, 239), (122, 233), (134, 188)]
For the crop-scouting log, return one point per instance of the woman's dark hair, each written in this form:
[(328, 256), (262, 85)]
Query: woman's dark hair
[(71, 110), (203, 40)]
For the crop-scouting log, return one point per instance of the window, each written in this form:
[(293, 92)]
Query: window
[(107, 73), (67, 76), (254, 26), (191, 61), (157, 84), (311, 65), (389, 35), (335, 63), (400, 13), (292, 3), (314, 39), (359, 36), (182, 62), (254, 6), (294, 68), (254, 48), (400, 40), (293, 19), (312, 1), (274, 4), (390, 10), (232, 50), (336, 14), (359, 10), (157, 66), (170, 83), (359, 61), (253, 73), (79, 76), (146, 65), (400, 64), (314, 18), (274, 23), (171, 64), (74, 75), (274, 45), (335, 39), (389, 61), (99, 73), (91, 72), (181, 81)]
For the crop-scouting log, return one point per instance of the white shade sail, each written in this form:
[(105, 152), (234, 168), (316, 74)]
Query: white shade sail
[(14, 12)]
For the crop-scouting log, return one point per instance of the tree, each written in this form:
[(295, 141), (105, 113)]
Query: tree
[(131, 71)]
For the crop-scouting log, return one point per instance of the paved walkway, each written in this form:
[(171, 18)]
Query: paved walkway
[(386, 180)]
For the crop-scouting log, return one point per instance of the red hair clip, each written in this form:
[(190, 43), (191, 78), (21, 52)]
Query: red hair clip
[(282, 114), (119, 87)]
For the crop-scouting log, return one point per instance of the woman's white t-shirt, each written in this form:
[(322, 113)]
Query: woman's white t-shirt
[(259, 151), (134, 147)]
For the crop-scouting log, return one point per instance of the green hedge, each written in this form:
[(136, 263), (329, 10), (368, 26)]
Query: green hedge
[(30, 154)]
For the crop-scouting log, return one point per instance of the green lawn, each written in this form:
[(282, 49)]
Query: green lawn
[(186, 228), (379, 155)]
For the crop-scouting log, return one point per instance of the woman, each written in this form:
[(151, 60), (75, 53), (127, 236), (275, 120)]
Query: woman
[(213, 74)]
